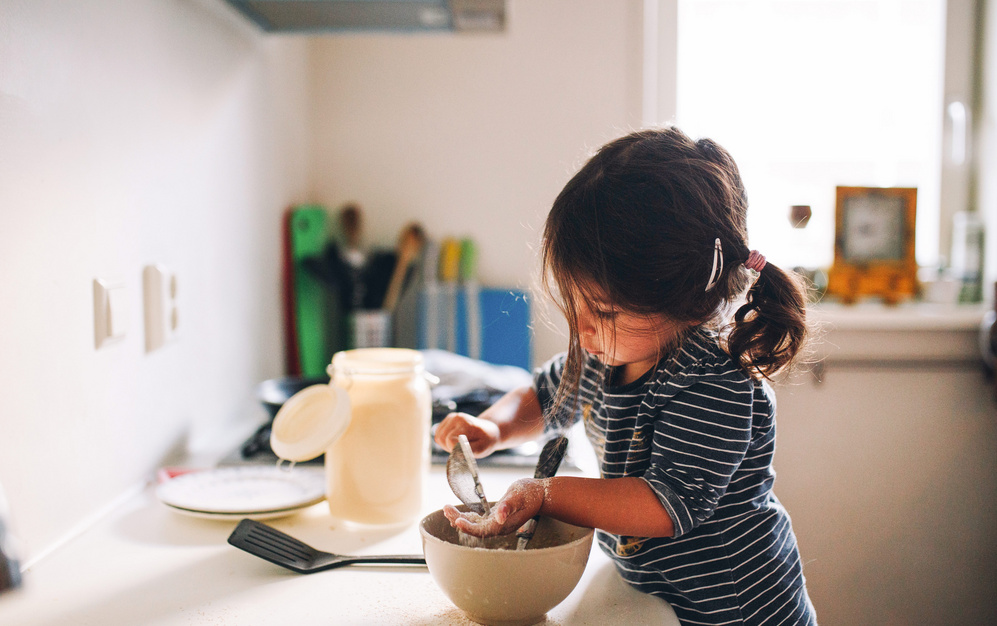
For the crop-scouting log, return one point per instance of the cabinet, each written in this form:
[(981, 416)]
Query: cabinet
[(887, 466)]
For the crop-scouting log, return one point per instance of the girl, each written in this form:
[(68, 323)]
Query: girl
[(644, 252)]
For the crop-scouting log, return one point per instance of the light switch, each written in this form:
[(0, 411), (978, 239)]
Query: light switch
[(110, 312), (162, 319), (117, 312)]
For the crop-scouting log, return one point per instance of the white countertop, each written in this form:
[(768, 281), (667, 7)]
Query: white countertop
[(144, 564)]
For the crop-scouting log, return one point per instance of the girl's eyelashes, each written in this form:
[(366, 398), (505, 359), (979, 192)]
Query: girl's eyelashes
[(605, 315)]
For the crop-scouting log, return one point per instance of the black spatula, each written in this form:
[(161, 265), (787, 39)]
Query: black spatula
[(269, 543)]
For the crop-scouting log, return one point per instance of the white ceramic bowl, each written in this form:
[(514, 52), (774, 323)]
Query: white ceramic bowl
[(502, 586)]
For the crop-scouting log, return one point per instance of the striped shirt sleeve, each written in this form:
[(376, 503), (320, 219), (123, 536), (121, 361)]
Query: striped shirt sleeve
[(546, 379), (700, 438)]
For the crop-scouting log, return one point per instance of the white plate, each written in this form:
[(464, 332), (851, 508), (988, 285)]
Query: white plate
[(235, 517), (244, 490)]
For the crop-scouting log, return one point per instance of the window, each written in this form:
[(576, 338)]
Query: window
[(811, 94)]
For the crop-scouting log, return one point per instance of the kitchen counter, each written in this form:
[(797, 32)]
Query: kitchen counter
[(146, 564)]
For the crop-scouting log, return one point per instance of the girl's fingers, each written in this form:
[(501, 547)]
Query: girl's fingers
[(481, 434), (496, 523), (451, 513), (483, 527), (440, 436), (462, 524), (501, 512), (480, 443), (449, 429)]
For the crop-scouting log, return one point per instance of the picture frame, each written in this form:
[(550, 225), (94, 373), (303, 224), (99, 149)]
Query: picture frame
[(874, 244)]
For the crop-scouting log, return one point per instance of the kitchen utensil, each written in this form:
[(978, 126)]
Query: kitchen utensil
[(472, 296), (550, 459), (462, 474), (449, 260), (308, 240), (375, 277), (449, 272), (429, 302), (282, 549), (353, 256), (351, 225), (410, 244)]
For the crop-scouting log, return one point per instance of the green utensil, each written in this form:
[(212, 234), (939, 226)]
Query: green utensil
[(308, 239), (468, 260)]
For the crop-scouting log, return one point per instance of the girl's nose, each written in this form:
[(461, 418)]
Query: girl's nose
[(585, 326)]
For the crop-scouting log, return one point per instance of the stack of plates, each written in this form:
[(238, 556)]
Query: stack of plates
[(255, 492)]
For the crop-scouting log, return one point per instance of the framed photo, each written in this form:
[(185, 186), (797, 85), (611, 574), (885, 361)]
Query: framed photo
[(874, 244)]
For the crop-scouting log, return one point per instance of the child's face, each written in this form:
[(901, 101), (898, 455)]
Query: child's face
[(618, 338)]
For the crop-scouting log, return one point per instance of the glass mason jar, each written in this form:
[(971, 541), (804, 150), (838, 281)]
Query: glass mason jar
[(376, 469)]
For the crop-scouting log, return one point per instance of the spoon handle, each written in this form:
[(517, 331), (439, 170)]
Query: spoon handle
[(550, 459), (472, 466)]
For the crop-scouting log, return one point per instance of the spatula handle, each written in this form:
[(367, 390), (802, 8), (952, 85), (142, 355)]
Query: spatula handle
[(398, 559)]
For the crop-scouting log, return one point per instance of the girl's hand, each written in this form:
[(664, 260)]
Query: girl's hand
[(482, 434), (521, 502)]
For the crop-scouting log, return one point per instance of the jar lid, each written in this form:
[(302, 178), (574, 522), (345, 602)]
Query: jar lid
[(375, 362), (309, 422)]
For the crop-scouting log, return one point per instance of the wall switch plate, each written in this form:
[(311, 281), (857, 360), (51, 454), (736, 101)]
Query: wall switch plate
[(162, 316), (110, 312)]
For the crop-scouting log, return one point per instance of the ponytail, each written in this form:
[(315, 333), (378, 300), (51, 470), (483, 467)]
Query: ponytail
[(656, 224), (770, 330)]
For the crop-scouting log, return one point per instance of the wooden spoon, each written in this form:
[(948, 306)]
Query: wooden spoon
[(410, 243)]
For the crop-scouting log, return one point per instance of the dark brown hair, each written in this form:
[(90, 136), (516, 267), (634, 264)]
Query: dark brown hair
[(638, 224)]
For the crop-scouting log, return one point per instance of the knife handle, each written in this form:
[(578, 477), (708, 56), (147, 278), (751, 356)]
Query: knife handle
[(526, 533)]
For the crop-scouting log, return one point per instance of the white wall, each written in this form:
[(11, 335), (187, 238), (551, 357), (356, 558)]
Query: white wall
[(475, 135), (132, 132), (174, 132)]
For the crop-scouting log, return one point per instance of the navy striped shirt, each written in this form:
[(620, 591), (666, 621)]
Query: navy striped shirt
[(701, 432)]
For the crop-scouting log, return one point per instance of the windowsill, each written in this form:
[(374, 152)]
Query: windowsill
[(914, 333), (872, 316)]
